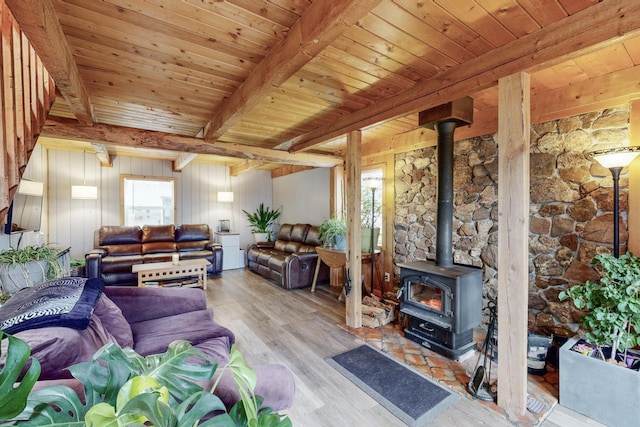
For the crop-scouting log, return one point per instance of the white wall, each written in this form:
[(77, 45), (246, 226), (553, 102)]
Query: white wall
[(303, 196)]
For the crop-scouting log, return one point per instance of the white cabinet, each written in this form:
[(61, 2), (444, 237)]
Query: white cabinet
[(232, 255)]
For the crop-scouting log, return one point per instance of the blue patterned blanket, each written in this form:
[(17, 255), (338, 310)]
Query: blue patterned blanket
[(67, 302)]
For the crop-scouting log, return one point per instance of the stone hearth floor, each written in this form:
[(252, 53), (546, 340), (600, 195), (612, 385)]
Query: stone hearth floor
[(390, 339)]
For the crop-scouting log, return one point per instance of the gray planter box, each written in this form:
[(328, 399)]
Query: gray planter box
[(17, 277), (602, 391)]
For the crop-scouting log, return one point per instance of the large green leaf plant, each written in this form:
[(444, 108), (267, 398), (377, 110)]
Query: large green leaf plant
[(262, 219), (612, 303), (123, 388), (14, 399)]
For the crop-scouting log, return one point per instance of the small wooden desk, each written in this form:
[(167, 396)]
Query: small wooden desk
[(336, 260), (159, 271)]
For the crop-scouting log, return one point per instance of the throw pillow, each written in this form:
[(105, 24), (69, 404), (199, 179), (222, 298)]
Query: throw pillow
[(112, 319), (67, 302)]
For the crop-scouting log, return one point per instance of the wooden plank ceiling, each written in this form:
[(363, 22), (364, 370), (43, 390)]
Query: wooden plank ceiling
[(265, 80)]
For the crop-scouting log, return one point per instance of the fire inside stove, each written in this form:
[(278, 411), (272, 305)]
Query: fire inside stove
[(426, 295)]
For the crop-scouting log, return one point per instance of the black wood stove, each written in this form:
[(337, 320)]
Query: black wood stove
[(443, 300), (443, 305)]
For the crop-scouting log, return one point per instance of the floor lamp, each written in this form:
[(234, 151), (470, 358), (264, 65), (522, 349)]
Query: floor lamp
[(615, 159), (373, 247), (372, 184)]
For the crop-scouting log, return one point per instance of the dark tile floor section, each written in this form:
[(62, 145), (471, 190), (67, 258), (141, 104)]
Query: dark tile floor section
[(456, 374)]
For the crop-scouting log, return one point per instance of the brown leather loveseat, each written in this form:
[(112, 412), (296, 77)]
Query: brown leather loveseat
[(117, 248), (291, 260)]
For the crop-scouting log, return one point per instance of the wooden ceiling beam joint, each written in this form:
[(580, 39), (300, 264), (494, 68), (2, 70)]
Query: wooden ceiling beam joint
[(102, 153)]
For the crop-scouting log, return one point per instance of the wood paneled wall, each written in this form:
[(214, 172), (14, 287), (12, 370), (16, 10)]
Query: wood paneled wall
[(27, 93), (73, 222)]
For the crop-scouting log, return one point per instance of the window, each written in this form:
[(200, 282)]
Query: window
[(147, 200)]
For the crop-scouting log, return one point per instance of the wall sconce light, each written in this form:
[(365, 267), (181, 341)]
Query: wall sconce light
[(30, 188), (84, 191), (227, 194), (615, 159)]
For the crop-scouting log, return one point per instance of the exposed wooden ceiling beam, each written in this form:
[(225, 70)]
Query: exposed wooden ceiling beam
[(288, 170), (244, 166), (610, 90), (598, 93), (38, 20), (182, 161), (594, 94), (407, 141), (321, 24), (57, 127), (102, 153), (577, 34)]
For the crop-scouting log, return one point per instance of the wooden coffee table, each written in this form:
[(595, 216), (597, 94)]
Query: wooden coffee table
[(163, 271)]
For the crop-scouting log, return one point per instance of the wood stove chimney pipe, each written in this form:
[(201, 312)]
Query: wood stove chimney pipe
[(444, 119)]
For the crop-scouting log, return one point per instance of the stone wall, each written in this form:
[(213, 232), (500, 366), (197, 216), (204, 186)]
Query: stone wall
[(571, 208)]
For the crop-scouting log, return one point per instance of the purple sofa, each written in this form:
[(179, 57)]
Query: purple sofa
[(148, 320)]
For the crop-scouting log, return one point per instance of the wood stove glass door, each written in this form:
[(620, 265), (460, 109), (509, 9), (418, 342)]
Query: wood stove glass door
[(427, 294)]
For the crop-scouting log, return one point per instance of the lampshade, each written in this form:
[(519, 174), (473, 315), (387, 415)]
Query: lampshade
[(225, 196), (30, 188), (615, 156), (86, 192), (372, 182)]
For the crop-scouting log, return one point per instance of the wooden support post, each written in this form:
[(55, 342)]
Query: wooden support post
[(513, 240), (633, 214), (354, 229)]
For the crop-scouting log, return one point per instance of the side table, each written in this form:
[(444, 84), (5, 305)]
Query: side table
[(233, 255), (336, 261)]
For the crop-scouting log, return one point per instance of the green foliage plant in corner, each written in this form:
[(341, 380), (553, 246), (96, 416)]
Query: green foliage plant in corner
[(123, 388), (262, 219), (612, 303)]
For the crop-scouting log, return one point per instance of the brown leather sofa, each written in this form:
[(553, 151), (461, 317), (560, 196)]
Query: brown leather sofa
[(117, 248), (291, 260)]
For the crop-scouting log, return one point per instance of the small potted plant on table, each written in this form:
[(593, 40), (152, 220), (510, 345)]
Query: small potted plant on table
[(606, 392), (333, 233)]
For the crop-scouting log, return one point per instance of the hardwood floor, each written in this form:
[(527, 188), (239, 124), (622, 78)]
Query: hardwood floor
[(300, 330)]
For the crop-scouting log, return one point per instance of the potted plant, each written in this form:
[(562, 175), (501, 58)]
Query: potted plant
[(123, 388), (333, 232), (603, 391), (261, 221), (28, 266)]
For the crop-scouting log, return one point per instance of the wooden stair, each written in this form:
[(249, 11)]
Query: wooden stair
[(27, 92)]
